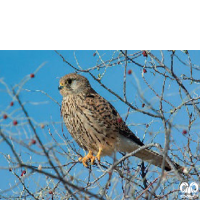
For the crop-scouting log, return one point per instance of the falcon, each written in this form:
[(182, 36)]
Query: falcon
[(96, 125)]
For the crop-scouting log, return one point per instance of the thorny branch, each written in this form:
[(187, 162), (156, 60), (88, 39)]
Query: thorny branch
[(119, 177)]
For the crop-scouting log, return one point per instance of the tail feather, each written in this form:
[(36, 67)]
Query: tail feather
[(153, 158), (127, 145), (156, 159)]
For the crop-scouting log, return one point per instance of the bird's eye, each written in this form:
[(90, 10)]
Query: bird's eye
[(61, 84), (69, 81)]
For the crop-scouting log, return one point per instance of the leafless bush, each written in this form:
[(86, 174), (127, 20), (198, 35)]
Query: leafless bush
[(159, 95)]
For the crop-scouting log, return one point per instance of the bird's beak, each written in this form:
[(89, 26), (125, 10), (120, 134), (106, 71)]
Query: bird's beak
[(60, 87)]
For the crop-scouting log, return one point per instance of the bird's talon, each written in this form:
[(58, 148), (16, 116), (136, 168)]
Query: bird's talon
[(90, 157), (92, 160), (84, 163), (80, 159), (83, 160), (87, 157)]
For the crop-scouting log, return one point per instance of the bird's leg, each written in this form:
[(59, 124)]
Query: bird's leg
[(98, 156), (87, 157)]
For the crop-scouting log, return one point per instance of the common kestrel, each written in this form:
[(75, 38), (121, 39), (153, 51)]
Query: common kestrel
[(96, 125)]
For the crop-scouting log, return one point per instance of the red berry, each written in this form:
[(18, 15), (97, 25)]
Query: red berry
[(33, 141), (118, 62), (119, 120), (129, 71), (23, 172), (11, 103), (94, 54), (144, 71), (32, 75), (144, 53), (5, 116), (50, 192), (184, 132), (15, 122), (143, 105)]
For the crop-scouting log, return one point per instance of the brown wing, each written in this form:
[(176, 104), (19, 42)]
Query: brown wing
[(108, 116)]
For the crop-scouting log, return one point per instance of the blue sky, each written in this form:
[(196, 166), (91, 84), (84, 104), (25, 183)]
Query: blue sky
[(15, 65)]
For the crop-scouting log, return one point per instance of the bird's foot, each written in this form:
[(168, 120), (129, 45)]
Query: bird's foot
[(90, 157), (86, 158)]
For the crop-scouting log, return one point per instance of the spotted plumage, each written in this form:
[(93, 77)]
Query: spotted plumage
[(94, 123)]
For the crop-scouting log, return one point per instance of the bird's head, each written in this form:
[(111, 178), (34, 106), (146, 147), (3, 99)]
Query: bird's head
[(73, 84)]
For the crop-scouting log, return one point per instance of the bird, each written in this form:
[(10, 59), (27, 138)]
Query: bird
[(96, 126)]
